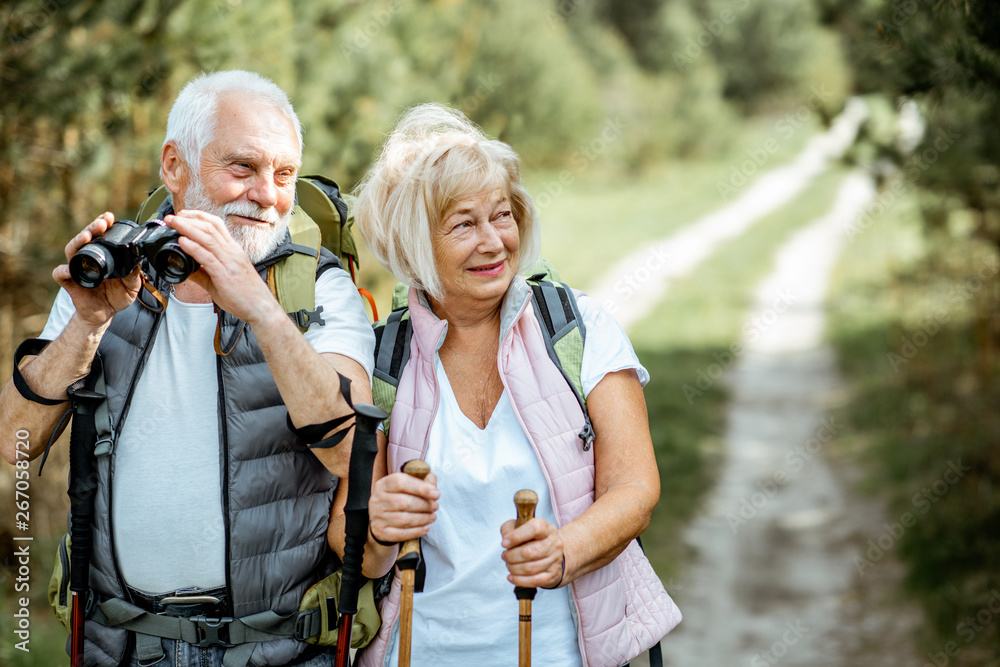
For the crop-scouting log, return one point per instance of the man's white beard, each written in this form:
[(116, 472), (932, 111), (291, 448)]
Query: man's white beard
[(257, 242)]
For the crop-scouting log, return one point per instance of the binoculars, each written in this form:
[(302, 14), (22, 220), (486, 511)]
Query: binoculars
[(116, 252)]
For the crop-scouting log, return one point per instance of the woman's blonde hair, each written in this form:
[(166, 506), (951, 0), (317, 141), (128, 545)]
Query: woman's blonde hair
[(435, 157)]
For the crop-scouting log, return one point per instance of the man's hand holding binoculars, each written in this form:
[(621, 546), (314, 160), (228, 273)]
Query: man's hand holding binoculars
[(96, 306), (227, 273)]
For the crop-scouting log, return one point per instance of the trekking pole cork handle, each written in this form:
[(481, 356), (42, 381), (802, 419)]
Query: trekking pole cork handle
[(419, 469), (407, 561), (525, 500)]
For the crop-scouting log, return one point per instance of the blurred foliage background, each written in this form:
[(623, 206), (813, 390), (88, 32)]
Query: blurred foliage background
[(85, 87)]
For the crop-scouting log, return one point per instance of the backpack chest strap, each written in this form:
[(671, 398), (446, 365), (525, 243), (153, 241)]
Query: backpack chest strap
[(237, 635)]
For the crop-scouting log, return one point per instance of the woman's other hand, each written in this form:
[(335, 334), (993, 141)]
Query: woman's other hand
[(533, 553), (403, 507)]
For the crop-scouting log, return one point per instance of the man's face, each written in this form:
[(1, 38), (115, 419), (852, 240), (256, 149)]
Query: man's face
[(247, 174)]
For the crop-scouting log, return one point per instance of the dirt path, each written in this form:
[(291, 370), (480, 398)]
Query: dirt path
[(660, 263), (774, 581)]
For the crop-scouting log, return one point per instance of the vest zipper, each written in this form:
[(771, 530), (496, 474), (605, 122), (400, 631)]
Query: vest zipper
[(224, 441), (157, 318)]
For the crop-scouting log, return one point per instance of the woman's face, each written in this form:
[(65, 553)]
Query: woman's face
[(475, 247)]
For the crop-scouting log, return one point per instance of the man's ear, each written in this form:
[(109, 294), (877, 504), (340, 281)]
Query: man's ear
[(174, 170)]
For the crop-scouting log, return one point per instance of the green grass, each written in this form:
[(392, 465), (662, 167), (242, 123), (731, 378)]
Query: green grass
[(590, 219), (920, 357), (690, 331)]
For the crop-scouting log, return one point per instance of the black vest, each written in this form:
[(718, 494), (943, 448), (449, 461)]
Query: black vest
[(276, 495)]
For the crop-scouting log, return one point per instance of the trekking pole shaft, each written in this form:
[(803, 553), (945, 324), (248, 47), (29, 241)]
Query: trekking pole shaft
[(525, 501), (82, 489), (406, 618), (342, 656), (524, 634), (363, 453), (420, 470), (76, 633)]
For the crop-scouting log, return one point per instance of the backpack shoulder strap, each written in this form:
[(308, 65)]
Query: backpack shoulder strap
[(392, 351), (565, 334), (293, 279)]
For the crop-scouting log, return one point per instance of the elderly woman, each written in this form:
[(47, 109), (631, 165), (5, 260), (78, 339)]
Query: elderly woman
[(482, 402)]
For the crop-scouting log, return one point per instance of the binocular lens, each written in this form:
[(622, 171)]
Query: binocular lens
[(173, 264), (90, 267)]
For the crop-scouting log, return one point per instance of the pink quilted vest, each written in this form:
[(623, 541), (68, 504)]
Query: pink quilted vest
[(622, 609)]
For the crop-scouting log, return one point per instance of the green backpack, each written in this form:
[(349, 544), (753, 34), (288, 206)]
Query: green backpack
[(322, 216), (556, 309)]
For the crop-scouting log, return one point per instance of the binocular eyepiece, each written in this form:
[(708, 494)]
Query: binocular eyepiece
[(116, 252)]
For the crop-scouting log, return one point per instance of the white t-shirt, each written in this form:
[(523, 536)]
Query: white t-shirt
[(467, 613), (167, 490)]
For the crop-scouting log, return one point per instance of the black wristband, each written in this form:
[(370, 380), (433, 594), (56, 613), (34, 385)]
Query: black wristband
[(561, 576), (384, 544), (31, 346)]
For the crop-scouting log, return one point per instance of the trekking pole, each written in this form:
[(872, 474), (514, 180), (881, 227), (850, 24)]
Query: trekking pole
[(82, 489), (525, 500), (408, 561), (363, 451)]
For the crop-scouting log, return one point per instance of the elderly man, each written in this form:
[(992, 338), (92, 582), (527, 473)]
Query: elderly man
[(208, 503)]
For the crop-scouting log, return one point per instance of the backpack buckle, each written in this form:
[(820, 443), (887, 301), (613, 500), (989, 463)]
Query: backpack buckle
[(304, 318), (587, 435), (212, 631)]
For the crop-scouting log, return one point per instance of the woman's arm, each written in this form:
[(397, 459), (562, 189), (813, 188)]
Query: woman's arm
[(626, 489)]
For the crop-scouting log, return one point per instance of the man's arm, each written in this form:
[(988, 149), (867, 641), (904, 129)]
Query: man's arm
[(308, 381), (68, 358), (64, 361)]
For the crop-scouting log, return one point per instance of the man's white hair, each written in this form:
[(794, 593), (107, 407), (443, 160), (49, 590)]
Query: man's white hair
[(191, 124)]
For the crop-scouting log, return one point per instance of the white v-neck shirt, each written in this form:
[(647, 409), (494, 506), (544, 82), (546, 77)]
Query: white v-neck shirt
[(467, 613)]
